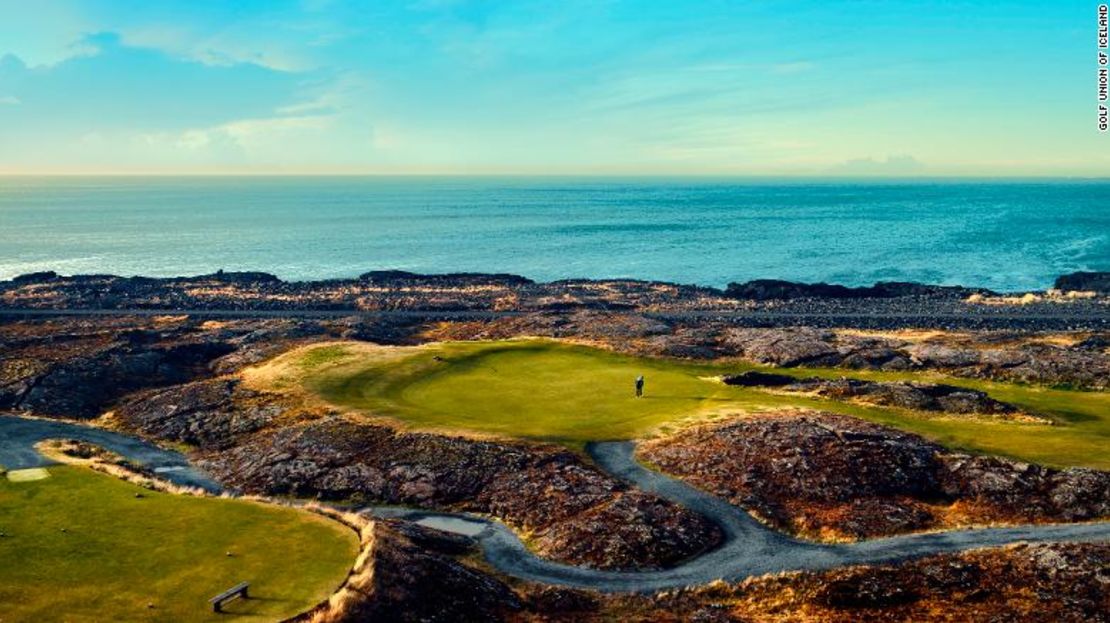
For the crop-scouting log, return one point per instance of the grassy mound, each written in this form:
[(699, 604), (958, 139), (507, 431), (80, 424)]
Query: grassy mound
[(118, 553), (549, 390)]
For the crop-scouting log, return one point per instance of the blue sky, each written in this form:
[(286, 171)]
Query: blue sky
[(567, 86)]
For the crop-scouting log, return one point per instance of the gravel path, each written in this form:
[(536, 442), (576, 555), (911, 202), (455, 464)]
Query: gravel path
[(749, 548), (18, 437)]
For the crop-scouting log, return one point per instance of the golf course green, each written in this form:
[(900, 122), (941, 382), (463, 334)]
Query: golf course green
[(83, 546), (572, 394)]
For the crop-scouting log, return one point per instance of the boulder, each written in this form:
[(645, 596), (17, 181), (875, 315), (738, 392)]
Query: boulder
[(1082, 281)]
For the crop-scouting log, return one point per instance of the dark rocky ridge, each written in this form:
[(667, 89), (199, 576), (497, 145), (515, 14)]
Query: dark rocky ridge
[(757, 289), (1084, 282), (771, 289), (1050, 583), (576, 513), (907, 395), (756, 303), (416, 578), (820, 473), (999, 356), (405, 278), (78, 368)]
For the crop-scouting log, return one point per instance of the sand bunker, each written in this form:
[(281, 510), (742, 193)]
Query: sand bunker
[(27, 475)]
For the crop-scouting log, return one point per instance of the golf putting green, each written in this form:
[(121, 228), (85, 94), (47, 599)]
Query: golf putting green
[(572, 394), (81, 543)]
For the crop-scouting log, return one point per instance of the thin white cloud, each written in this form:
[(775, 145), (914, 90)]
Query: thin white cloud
[(891, 165), (223, 49), (244, 133), (9, 100)]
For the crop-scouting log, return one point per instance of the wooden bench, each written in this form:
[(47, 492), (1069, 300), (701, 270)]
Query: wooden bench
[(239, 590)]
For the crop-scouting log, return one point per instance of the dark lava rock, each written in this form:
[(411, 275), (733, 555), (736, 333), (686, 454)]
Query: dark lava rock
[(1095, 343), (813, 471), (436, 540), (209, 414), (1024, 490), (1044, 583), (1084, 282), (770, 289), (629, 527), (556, 601), (755, 378), (39, 277), (576, 512), (865, 589), (245, 277), (80, 367), (1030, 362), (781, 465), (394, 277), (785, 347), (908, 395), (82, 386), (415, 581)]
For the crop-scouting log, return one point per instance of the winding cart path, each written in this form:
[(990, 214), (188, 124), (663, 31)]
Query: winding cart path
[(749, 548)]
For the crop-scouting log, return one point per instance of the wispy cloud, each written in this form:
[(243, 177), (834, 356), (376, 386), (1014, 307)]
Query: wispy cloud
[(548, 85)]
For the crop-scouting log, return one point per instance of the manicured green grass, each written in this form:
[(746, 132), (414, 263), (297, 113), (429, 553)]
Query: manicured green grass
[(118, 553), (573, 394)]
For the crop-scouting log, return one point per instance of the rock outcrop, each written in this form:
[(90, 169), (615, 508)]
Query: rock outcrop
[(1047, 583), (78, 368), (906, 395), (1029, 360), (1084, 282), (414, 576), (826, 475), (771, 289), (81, 378), (211, 414), (574, 512)]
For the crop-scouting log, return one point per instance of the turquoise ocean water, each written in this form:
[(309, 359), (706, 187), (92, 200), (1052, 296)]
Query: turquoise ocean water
[(1004, 235)]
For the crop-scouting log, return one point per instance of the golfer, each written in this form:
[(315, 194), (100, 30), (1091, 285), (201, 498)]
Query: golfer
[(640, 386)]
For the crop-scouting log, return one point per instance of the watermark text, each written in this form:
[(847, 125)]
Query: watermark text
[(1103, 66)]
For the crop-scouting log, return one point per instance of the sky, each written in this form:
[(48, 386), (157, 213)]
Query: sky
[(703, 87)]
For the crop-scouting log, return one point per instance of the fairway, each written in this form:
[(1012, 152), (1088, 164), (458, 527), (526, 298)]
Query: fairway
[(81, 543), (571, 394)]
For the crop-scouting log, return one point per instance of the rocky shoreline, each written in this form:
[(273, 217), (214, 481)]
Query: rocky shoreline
[(1080, 300)]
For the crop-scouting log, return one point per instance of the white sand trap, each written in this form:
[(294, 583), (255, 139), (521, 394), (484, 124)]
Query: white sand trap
[(458, 525), (27, 475)]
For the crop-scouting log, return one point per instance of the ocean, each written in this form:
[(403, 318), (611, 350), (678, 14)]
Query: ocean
[(1002, 235)]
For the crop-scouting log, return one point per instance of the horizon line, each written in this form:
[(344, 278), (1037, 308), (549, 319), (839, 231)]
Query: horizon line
[(507, 174)]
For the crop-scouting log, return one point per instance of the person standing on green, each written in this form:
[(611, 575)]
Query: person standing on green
[(640, 386)]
